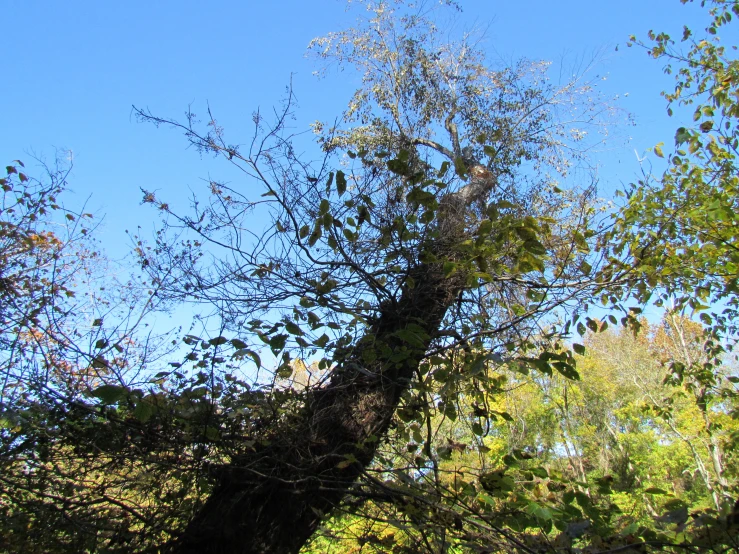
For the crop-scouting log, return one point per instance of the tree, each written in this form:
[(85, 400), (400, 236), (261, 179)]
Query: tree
[(66, 343), (681, 341), (679, 230), (426, 283), (678, 233), (40, 261), (431, 254)]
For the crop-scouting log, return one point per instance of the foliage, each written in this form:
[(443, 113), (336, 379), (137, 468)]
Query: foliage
[(431, 253), (66, 343), (42, 262), (679, 229), (418, 85), (614, 459), (389, 357)]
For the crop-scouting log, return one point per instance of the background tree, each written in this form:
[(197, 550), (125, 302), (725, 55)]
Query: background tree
[(66, 343), (42, 260), (678, 230), (614, 459)]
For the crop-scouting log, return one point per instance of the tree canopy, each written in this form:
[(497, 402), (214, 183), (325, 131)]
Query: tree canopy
[(400, 352)]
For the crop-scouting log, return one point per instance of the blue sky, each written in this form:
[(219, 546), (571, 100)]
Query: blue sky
[(73, 69)]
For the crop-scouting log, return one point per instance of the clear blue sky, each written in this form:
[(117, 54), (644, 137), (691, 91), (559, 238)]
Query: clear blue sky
[(73, 69)]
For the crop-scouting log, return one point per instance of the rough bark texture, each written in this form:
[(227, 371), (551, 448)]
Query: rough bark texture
[(274, 501)]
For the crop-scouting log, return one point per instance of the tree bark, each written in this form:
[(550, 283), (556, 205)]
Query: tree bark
[(273, 501)]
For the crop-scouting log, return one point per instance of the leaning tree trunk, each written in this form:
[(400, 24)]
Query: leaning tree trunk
[(273, 501)]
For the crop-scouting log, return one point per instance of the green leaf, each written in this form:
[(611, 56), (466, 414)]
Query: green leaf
[(414, 336), (285, 371), (460, 167), (144, 411), (293, 329), (682, 136), (317, 234), (350, 459), (510, 460), (246, 352), (399, 167), (212, 433), (535, 247), (582, 499), (566, 369), (505, 415), (340, 182), (362, 215), (579, 348), (110, 394), (321, 341), (277, 342), (485, 228), (539, 512), (324, 207), (238, 344)]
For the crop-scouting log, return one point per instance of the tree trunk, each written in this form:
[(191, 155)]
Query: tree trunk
[(273, 501)]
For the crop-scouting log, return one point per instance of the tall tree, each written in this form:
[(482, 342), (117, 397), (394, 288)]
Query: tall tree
[(679, 229), (63, 340), (445, 256)]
